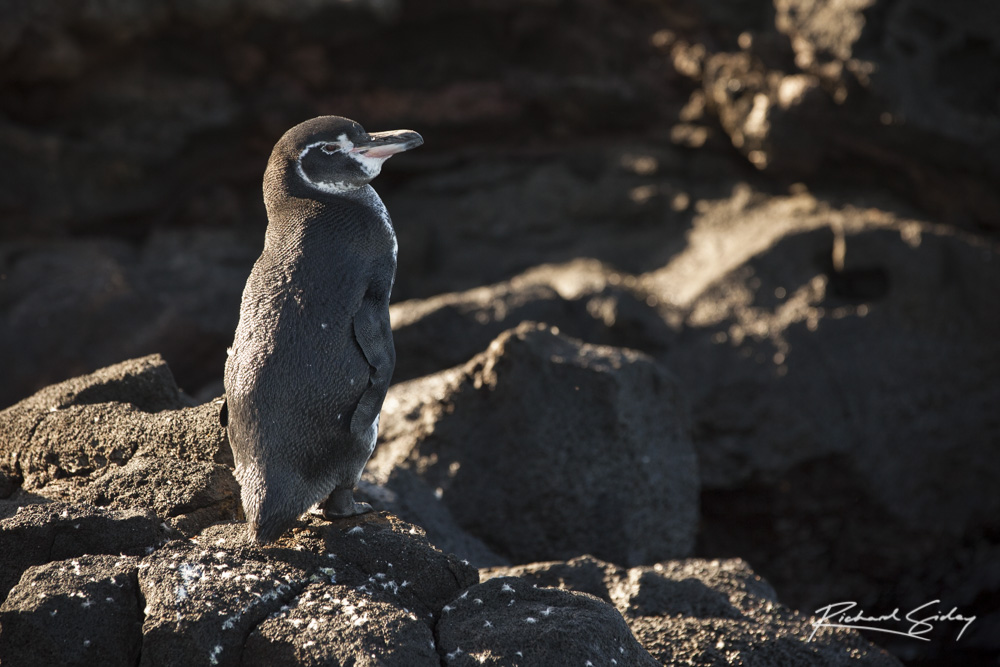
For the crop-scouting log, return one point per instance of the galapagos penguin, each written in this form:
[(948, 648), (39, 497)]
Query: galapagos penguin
[(312, 356)]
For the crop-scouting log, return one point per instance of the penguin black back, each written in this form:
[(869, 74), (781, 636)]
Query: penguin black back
[(313, 354)]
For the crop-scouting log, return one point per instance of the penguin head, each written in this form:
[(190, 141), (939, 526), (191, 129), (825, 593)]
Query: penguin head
[(333, 155)]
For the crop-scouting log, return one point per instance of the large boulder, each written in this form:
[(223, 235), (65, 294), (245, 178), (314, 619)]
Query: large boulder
[(122, 437), (545, 447), (839, 364)]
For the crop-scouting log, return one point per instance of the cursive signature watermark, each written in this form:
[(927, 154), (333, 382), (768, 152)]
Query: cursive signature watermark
[(917, 622)]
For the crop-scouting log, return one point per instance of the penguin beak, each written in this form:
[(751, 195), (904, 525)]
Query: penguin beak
[(385, 144)]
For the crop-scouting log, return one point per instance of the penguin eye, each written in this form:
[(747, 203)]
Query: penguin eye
[(330, 148)]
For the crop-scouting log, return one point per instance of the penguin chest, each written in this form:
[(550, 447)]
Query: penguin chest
[(324, 355), (296, 351)]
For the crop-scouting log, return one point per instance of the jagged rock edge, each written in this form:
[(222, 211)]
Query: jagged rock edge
[(295, 589), (140, 601)]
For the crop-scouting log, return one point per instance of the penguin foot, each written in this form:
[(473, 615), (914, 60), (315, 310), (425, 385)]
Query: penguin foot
[(341, 503)]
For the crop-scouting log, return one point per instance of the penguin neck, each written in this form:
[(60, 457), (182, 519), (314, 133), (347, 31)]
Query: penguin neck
[(350, 216)]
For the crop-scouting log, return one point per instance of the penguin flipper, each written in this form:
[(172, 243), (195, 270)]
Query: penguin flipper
[(374, 336)]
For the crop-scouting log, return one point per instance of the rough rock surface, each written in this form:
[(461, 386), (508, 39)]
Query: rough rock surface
[(157, 577), (585, 299), (699, 612), (37, 534), (485, 626), (216, 598), (840, 365), (120, 438), (80, 611), (544, 447)]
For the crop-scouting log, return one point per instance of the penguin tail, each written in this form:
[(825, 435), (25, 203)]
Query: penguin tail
[(267, 522), (262, 534)]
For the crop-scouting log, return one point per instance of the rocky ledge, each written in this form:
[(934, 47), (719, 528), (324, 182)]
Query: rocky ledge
[(120, 540)]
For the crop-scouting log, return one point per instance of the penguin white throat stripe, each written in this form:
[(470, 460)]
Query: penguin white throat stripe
[(370, 165)]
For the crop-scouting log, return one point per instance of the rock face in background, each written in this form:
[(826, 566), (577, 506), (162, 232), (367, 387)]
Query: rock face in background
[(788, 206), (548, 135), (71, 307), (840, 366)]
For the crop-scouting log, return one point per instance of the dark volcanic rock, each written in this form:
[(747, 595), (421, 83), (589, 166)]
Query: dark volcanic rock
[(543, 446), (76, 306), (209, 492), (84, 611), (701, 612), (584, 299), (841, 367), (371, 589), (486, 626), (897, 92), (584, 574), (337, 625), (840, 363), (203, 599), (112, 112), (123, 437), (218, 599), (39, 534)]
